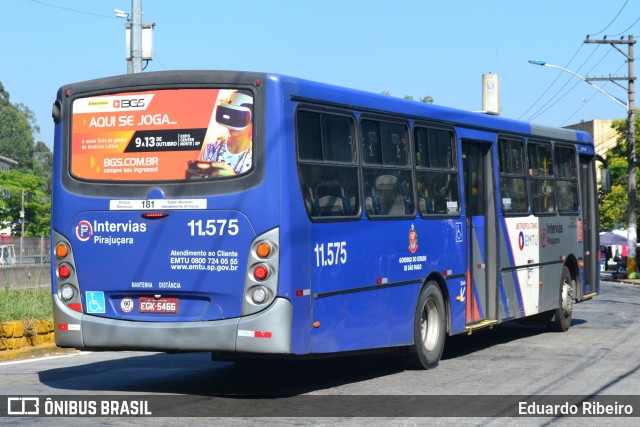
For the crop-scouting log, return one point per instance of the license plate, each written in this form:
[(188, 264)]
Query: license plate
[(157, 305)]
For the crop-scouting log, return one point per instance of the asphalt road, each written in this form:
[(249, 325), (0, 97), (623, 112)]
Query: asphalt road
[(599, 355)]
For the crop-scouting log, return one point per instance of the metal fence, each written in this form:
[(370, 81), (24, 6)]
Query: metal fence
[(27, 250)]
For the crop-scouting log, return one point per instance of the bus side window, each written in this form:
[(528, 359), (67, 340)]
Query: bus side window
[(326, 164), (310, 200), (436, 172), (566, 179), (513, 177), (387, 177), (332, 200), (372, 201), (543, 194), (371, 151)]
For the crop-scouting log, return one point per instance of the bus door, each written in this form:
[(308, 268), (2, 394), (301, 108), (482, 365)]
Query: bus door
[(587, 229), (479, 193)]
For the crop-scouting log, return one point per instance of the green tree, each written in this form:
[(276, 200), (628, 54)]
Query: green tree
[(16, 132), (37, 204), (30, 116), (613, 209), (613, 206), (32, 175), (43, 164), (427, 99)]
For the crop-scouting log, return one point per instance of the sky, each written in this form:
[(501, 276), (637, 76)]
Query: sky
[(406, 47)]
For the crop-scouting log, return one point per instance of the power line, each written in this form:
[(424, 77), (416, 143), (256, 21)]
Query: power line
[(586, 101), (155, 56), (624, 31), (73, 10), (551, 101), (612, 21), (539, 113), (567, 66), (551, 85), (589, 99)]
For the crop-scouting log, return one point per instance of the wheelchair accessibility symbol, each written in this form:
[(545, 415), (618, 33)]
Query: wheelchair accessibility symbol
[(458, 232), (95, 302)]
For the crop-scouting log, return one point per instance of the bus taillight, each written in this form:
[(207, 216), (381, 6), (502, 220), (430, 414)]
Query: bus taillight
[(261, 280), (261, 272), (263, 250), (64, 271), (62, 250)]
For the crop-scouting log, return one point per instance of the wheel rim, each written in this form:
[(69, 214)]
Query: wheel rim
[(430, 325), (567, 298)]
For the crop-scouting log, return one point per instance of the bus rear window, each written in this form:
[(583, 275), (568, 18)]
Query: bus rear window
[(162, 135)]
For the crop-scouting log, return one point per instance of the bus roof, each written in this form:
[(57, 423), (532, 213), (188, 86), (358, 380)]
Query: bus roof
[(313, 91), (363, 100)]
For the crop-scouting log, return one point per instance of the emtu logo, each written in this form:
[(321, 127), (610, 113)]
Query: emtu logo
[(84, 231), (521, 240)]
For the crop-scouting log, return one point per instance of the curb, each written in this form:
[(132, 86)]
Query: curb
[(34, 352), (28, 339)]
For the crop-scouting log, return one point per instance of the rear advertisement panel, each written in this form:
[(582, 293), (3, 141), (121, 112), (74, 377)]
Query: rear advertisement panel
[(188, 266), (162, 135)]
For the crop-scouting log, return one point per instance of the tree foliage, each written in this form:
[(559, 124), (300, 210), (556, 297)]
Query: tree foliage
[(16, 138), (37, 203), (32, 175), (614, 206), (427, 99)]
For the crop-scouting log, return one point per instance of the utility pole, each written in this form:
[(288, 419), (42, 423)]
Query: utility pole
[(136, 36), (22, 221), (632, 236), (136, 31)]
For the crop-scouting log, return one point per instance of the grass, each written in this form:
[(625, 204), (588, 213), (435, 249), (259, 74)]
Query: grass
[(25, 305)]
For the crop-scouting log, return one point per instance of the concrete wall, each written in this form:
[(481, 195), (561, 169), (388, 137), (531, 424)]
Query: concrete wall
[(26, 277)]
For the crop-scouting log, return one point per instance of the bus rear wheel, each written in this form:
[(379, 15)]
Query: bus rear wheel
[(561, 320), (429, 328)]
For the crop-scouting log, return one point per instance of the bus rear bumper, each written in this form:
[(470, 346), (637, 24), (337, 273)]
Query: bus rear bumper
[(268, 331)]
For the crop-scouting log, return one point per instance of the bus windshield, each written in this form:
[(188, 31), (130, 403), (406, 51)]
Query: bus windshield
[(162, 135)]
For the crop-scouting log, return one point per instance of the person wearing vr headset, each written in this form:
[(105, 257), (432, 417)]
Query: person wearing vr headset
[(231, 153)]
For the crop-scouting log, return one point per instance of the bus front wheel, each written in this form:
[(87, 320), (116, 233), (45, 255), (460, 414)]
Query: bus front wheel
[(562, 316), (429, 328)]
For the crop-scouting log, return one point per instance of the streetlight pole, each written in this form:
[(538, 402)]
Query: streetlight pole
[(611, 97), (630, 107)]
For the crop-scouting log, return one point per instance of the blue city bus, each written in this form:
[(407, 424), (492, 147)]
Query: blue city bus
[(249, 214)]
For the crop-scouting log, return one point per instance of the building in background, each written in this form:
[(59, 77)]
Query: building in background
[(604, 136), (6, 164)]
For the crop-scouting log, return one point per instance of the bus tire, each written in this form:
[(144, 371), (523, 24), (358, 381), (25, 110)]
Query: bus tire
[(429, 328), (561, 320)]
